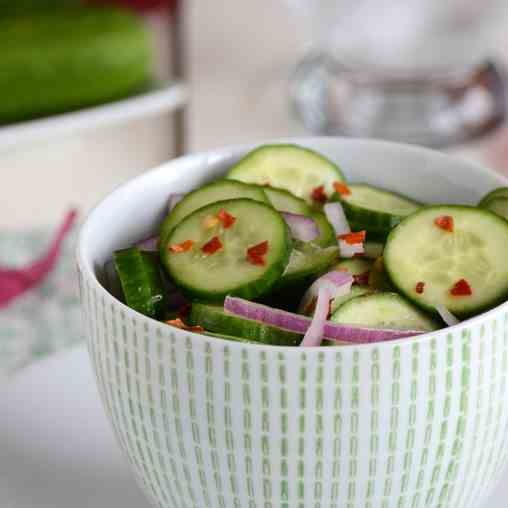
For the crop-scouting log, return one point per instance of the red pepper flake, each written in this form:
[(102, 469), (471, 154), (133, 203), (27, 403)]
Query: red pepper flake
[(212, 246), (181, 247), (342, 189), (226, 218), (319, 194), (445, 222), (256, 253), (353, 238), (461, 288), (420, 287), (178, 323)]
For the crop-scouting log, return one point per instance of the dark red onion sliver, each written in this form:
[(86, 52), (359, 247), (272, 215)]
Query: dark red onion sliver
[(300, 324), (362, 279), (149, 245), (174, 199)]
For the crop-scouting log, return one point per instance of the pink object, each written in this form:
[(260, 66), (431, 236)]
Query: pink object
[(302, 228), (337, 283), (14, 282), (314, 334), (339, 332)]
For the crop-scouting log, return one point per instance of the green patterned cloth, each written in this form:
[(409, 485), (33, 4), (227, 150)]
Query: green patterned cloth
[(45, 319)]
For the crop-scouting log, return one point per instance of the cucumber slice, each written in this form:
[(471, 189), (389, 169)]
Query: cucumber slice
[(141, 280), (383, 310), (500, 192), (215, 319), (373, 250), (355, 291), (378, 278), (375, 210), (326, 233), (283, 201), (211, 193), (228, 271), (355, 266), (419, 251), (306, 265), (498, 205), (294, 168)]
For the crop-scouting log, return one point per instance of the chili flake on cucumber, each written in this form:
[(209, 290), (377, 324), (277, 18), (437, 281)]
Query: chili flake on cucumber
[(283, 251)]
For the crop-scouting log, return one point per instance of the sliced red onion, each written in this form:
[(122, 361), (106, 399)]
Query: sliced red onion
[(314, 334), (352, 334), (362, 279), (302, 228), (373, 249), (174, 298), (174, 199), (149, 245), (337, 283), (446, 315), (337, 218), (348, 250)]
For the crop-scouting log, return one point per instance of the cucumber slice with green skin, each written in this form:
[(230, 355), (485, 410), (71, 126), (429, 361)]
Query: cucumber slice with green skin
[(500, 192), (294, 168), (355, 266), (326, 233), (283, 201), (373, 250), (384, 310), (306, 265), (215, 319), (228, 271), (340, 300), (375, 210), (378, 278), (141, 280), (419, 251), (355, 291), (211, 193), (498, 205)]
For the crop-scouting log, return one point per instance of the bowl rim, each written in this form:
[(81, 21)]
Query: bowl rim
[(84, 265)]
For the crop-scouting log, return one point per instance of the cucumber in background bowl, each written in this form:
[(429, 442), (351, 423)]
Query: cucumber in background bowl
[(69, 58)]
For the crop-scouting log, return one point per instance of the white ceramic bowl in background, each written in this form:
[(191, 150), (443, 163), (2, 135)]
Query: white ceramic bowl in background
[(72, 159), (204, 422)]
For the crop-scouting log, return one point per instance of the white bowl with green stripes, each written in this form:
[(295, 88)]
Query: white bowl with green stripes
[(205, 423)]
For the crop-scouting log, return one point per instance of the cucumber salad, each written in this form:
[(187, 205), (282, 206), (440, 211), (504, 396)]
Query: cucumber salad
[(283, 251)]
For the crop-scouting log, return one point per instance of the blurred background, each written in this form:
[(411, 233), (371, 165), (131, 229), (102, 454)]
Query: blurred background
[(93, 92)]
